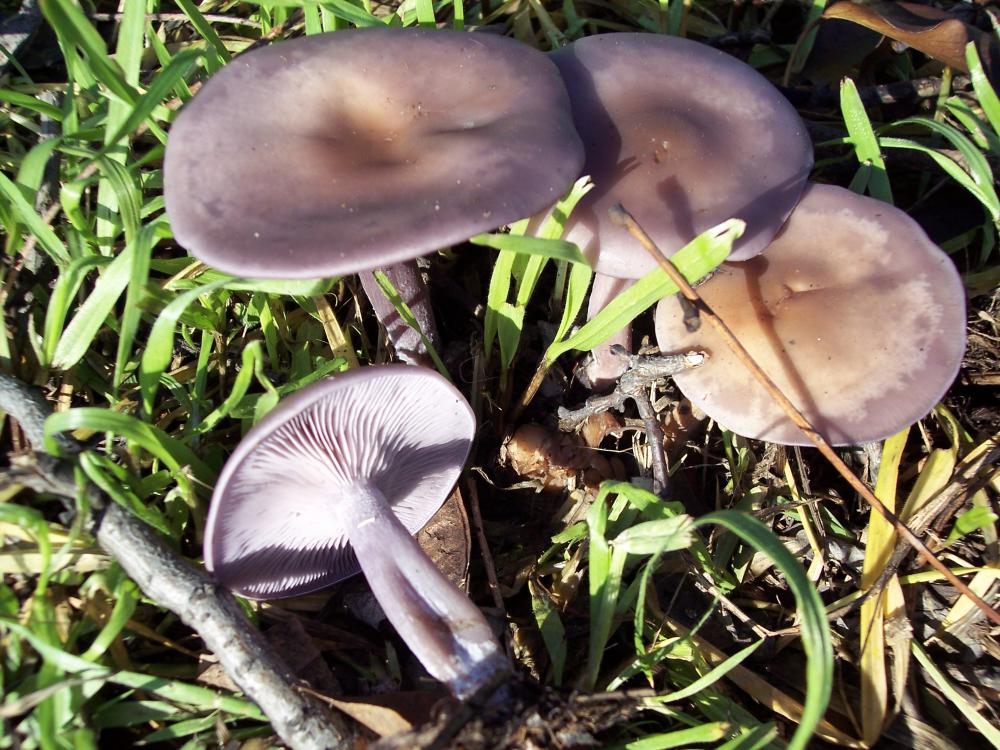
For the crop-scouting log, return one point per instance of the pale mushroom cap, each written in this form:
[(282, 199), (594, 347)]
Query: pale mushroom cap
[(273, 529), (685, 137), (856, 315), (354, 150)]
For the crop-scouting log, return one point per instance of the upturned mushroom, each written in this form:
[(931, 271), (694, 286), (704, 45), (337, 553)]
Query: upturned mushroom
[(360, 149), (854, 313), (686, 137), (337, 478)]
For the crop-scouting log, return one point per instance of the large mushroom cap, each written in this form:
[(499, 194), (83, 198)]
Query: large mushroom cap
[(353, 150), (274, 528), (854, 313), (685, 137)]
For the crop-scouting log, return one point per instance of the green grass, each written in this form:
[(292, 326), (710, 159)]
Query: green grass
[(159, 365)]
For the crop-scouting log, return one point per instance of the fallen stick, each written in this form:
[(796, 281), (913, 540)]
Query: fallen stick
[(176, 585)]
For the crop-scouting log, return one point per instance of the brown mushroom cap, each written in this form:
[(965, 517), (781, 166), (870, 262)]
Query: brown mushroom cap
[(685, 137), (854, 313), (354, 150)]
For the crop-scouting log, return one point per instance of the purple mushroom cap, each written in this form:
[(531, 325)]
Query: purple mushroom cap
[(685, 137), (355, 150), (853, 312), (276, 526)]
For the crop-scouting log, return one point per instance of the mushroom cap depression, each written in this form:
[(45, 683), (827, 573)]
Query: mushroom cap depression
[(853, 312), (685, 137), (273, 529), (353, 150)]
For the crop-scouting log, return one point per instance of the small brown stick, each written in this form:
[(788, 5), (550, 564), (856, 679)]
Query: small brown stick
[(182, 18), (622, 217), (654, 435), (641, 372), (484, 551)]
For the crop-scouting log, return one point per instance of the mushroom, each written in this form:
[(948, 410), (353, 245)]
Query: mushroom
[(338, 477), (684, 136), (853, 312), (360, 149)]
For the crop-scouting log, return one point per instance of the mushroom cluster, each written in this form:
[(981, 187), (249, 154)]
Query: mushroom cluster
[(402, 142), (406, 141), (843, 299)]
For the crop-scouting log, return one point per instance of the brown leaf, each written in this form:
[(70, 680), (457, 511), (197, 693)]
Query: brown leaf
[(390, 713), (934, 32), (445, 539), (557, 461), (599, 426)]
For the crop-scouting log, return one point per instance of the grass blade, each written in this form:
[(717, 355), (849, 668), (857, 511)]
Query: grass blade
[(866, 147), (696, 259), (815, 633)]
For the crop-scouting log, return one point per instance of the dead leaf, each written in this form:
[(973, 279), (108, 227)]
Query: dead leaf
[(446, 539), (936, 33), (215, 676), (598, 426), (557, 461), (390, 713)]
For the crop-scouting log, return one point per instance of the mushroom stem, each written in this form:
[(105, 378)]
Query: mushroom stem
[(605, 366), (405, 277), (444, 629)]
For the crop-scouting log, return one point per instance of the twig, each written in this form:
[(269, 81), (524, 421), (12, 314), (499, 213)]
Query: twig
[(189, 593), (182, 18), (654, 436), (484, 551), (641, 371), (740, 38), (884, 93), (16, 30), (640, 374), (620, 216)]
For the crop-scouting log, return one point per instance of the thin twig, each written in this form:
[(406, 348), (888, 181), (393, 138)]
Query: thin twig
[(641, 372), (883, 93), (182, 18), (620, 216), (484, 552), (189, 593), (654, 436)]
